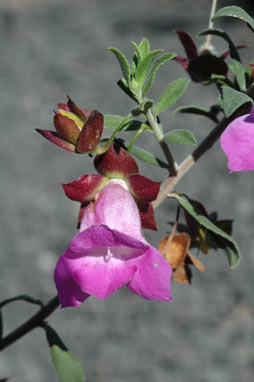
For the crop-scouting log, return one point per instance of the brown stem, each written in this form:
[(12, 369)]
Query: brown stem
[(32, 323), (185, 166)]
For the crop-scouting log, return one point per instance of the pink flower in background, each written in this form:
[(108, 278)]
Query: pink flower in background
[(110, 252), (237, 141)]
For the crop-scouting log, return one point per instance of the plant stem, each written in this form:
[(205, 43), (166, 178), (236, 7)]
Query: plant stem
[(185, 166), (210, 25), (34, 322), (164, 146)]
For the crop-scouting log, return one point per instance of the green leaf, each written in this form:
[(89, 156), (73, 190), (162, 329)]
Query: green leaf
[(195, 110), (68, 367), (144, 47), (234, 11), (180, 137), (147, 157), (232, 100), (158, 64), (111, 122), (123, 63), (239, 71), (220, 33), (22, 297), (173, 92), (125, 88), (144, 67), (227, 243)]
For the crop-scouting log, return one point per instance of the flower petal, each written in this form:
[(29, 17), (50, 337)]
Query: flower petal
[(115, 208), (75, 109), (84, 188), (152, 279), (146, 213), (237, 142), (69, 292), (188, 44), (100, 260)]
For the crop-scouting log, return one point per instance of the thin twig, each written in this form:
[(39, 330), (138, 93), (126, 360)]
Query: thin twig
[(33, 322)]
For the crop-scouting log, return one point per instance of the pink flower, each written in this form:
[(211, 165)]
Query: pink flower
[(237, 142), (110, 252), (116, 163)]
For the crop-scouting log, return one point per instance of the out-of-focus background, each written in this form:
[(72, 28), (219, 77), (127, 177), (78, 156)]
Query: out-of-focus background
[(51, 48)]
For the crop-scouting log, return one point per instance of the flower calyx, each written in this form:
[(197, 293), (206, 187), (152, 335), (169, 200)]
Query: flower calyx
[(116, 163), (77, 130)]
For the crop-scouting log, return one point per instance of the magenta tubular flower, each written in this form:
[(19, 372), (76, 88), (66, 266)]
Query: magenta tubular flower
[(110, 252), (116, 163), (237, 142), (77, 130)]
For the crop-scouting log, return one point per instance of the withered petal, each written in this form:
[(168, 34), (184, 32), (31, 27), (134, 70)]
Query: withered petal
[(91, 133), (57, 140)]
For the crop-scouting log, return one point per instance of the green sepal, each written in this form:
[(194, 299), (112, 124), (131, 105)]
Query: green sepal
[(234, 11), (191, 109), (123, 63), (233, 100), (68, 367), (221, 33), (111, 122), (173, 92), (157, 65), (180, 137), (21, 297), (224, 241)]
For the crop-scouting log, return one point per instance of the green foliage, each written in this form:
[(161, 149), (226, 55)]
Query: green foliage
[(147, 157), (233, 100), (144, 67), (173, 92), (225, 241), (123, 63), (237, 12), (196, 110), (111, 122), (180, 137), (142, 108), (158, 64), (22, 297), (239, 71), (68, 367), (220, 33)]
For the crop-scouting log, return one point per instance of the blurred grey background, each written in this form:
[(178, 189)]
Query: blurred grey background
[(51, 48)]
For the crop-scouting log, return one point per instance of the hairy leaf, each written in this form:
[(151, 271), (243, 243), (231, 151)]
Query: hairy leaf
[(158, 64), (239, 71), (232, 100), (144, 47), (227, 243), (144, 67), (112, 121), (237, 12), (123, 63), (220, 33), (147, 157), (195, 110), (68, 367), (173, 92), (180, 137)]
